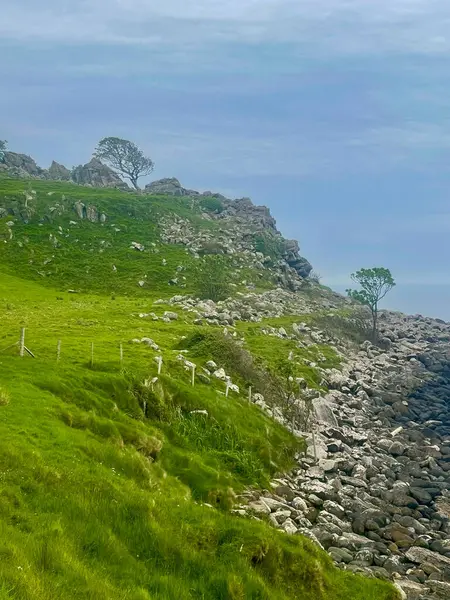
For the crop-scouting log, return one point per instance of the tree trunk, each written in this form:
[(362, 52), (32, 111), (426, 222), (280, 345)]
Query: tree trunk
[(374, 324), (134, 182)]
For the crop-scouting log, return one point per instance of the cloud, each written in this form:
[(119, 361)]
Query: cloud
[(319, 27)]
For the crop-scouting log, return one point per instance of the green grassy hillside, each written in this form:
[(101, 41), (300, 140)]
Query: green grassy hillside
[(112, 484)]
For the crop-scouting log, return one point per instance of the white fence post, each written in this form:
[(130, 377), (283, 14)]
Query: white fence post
[(22, 341)]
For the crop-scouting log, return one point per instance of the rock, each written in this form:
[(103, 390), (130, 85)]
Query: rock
[(92, 214), (220, 374), (97, 174), (80, 209), (411, 590), (421, 495), (289, 527), (22, 165), (59, 172), (401, 591), (340, 555), (259, 507), (334, 508), (299, 504), (364, 558), (172, 316), (166, 187), (440, 588), (137, 246), (276, 504), (422, 555), (397, 449)]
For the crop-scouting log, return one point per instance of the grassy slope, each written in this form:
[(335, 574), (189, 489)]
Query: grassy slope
[(85, 510)]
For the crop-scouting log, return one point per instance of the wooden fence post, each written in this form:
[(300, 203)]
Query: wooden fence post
[(227, 389), (249, 393), (160, 361), (22, 341), (193, 375), (92, 354), (58, 351), (121, 355)]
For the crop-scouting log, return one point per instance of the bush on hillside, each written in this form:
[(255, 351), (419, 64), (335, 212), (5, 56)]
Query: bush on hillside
[(213, 205), (211, 247), (314, 277), (268, 244), (212, 278), (355, 325)]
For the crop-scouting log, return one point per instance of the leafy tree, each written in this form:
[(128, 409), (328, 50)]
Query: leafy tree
[(212, 279), (2, 150), (124, 157), (375, 284)]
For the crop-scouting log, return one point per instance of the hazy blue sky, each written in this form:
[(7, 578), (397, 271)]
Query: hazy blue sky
[(335, 113)]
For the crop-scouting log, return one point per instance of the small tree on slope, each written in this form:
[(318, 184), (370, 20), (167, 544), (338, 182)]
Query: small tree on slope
[(124, 157), (375, 284)]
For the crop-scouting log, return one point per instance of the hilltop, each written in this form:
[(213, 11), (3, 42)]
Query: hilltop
[(122, 482)]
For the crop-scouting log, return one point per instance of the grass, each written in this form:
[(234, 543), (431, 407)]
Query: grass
[(112, 488), (51, 245)]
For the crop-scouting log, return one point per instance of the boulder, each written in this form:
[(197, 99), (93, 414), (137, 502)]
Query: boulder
[(97, 174), (59, 172), (21, 165), (169, 186), (423, 555)]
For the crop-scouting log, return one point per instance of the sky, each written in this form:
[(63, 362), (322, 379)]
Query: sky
[(334, 113)]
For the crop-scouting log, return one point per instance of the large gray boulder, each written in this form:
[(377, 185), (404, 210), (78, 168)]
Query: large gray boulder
[(59, 172), (97, 174), (170, 186)]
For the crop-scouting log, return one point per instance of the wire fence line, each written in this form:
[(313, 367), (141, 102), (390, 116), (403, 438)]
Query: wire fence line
[(189, 366)]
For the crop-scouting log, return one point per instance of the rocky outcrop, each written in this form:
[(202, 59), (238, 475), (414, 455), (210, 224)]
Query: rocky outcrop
[(89, 212), (97, 174), (21, 165), (291, 254), (59, 172), (169, 186)]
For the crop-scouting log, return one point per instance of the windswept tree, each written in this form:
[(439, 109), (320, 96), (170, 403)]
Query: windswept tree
[(375, 283), (124, 157), (2, 150)]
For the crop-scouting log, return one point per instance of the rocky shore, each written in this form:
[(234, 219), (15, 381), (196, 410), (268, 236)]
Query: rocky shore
[(374, 486)]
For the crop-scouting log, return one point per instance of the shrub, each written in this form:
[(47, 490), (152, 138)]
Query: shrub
[(212, 279), (235, 358), (211, 205), (269, 244), (314, 277), (212, 247), (354, 326)]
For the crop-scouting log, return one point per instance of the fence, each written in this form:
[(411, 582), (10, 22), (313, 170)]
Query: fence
[(190, 367)]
